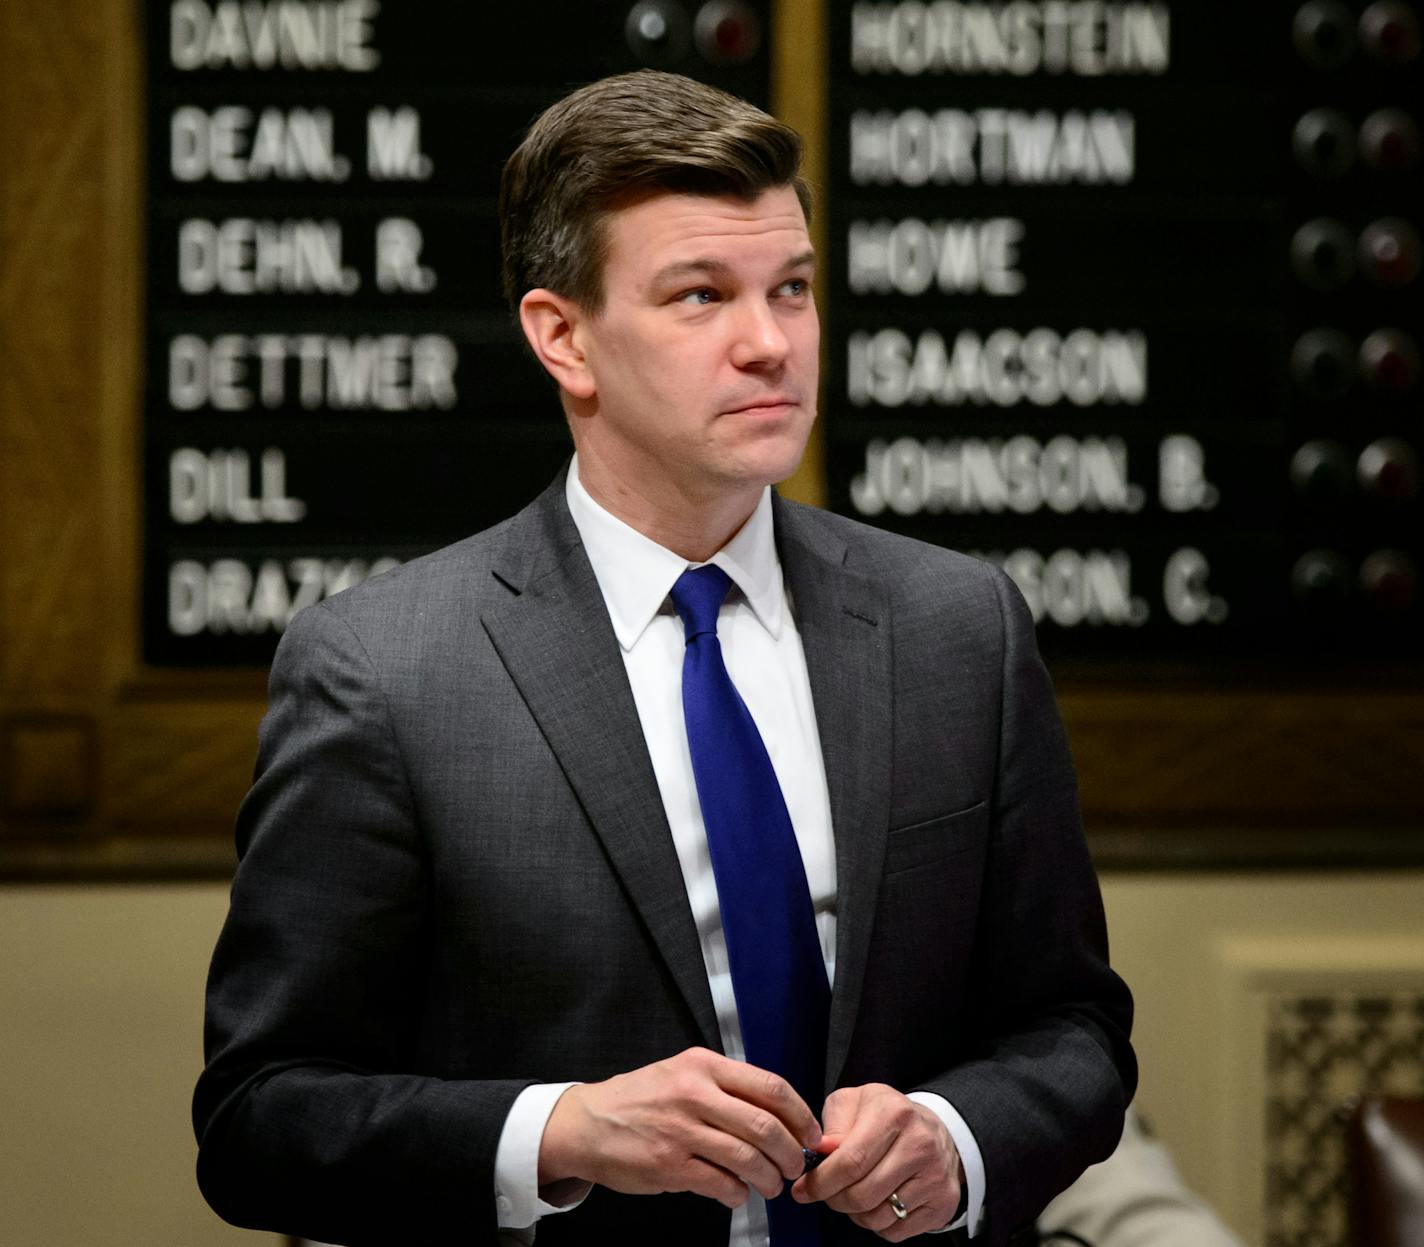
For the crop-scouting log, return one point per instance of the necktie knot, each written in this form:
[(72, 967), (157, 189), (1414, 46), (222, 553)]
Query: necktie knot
[(698, 596)]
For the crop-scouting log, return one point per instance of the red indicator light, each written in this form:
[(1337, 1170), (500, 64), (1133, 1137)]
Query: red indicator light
[(731, 39), (1389, 470), (1389, 361), (1390, 579), (1389, 32), (727, 33), (1389, 141), (1389, 252)]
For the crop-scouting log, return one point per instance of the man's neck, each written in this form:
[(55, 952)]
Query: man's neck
[(693, 527)]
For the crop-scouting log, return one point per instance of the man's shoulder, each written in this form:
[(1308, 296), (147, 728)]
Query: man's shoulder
[(455, 583), (457, 574), (908, 570), (424, 609)]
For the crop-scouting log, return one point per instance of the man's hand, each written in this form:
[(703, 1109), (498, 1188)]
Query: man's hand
[(695, 1122), (884, 1143)]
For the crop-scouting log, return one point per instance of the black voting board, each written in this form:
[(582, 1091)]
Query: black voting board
[(1126, 298), (1123, 296)]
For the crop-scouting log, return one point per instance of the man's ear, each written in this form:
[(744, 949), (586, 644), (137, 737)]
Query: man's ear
[(550, 323)]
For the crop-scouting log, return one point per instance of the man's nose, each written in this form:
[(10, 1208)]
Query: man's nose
[(760, 339)]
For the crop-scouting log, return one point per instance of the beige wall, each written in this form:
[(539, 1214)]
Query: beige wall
[(100, 1000), (100, 1041)]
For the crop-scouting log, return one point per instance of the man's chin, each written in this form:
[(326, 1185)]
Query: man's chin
[(764, 456), (772, 469)]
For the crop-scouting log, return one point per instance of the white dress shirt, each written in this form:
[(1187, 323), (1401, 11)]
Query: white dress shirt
[(762, 650)]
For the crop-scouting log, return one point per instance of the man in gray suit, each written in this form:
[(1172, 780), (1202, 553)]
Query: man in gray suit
[(487, 964)]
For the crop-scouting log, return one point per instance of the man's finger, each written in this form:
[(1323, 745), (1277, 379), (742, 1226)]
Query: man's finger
[(736, 1156), (857, 1155), (703, 1178), (827, 1145), (928, 1208), (761, 1130), (771, 1092), (923, 1220), (871, 1195), (839, 1111)]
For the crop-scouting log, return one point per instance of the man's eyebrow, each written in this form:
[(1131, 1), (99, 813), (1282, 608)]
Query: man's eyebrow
[(683, 269), (690, 268)]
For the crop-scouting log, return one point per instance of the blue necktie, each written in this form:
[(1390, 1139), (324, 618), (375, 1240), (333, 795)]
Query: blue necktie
[(778, 973)]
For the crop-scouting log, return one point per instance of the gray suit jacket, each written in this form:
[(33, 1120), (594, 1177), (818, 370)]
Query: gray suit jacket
[(456, 878)]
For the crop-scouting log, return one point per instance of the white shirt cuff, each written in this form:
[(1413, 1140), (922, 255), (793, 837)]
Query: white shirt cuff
[(969, 1157), (516, 1159)]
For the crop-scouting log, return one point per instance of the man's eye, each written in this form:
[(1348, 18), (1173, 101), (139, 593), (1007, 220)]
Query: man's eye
[(700, 297), (796, 287)]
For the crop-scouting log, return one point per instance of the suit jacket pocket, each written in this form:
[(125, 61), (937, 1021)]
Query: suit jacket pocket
[(920, 844)]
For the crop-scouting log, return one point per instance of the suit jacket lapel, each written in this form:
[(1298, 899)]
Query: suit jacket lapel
[(844, 622), (555, 639)]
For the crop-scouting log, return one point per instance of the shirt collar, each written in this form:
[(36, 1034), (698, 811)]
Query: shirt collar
[(635, 574)]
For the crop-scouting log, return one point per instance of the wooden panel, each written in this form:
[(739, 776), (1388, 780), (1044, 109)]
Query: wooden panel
[(47, 764), (798, 85), (182, 765), (1200, 758), (52, 127)]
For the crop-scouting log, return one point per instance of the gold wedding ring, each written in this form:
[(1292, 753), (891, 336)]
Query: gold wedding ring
[(897, 1206)]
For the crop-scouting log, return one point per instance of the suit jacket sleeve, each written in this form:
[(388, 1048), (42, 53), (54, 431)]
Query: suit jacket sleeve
[(1050, 1075), (309, 1116)]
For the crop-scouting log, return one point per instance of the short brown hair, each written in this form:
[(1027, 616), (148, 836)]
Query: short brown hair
[(613, 140)]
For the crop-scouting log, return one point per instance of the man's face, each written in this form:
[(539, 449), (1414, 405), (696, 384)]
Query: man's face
[(703, 359)]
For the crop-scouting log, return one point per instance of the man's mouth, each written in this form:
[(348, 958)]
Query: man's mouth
[(767, 403)]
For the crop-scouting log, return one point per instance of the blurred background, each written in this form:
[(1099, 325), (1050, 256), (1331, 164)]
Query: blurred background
[(1123, 296)]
